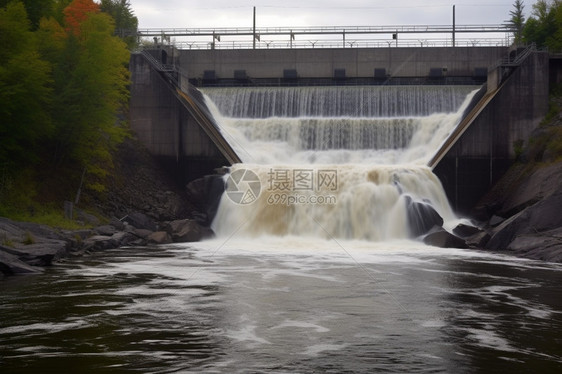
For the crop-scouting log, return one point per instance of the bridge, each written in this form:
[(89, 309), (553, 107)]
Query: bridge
[(169, 117), (332, 36)]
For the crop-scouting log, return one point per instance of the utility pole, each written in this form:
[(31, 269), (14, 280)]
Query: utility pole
[(254, 33), (453, 25)]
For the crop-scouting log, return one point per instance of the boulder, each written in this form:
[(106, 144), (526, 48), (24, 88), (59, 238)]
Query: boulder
[(123, 238), (43, 252), (439, 237), (478, 240), (11, 264), (496, 220), (141, 233), (422, 217), (117, 224), (187, 230), (546, 246), (106, 230), (140, 221), (99, 242), (159, 237), (540, 184), (464, 231), (206, 193), (540, 217)]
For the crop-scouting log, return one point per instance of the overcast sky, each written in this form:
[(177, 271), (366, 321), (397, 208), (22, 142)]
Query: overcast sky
[(293, 13)]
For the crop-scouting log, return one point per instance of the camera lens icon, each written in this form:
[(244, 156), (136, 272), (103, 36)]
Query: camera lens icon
[(243, 187)]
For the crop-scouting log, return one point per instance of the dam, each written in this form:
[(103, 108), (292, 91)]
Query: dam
[(511, 76)]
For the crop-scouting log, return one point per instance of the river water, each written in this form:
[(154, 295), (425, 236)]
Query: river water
[(285, 306)]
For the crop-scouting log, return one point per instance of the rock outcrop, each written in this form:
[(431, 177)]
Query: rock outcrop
[(524, 213), (28, 248)]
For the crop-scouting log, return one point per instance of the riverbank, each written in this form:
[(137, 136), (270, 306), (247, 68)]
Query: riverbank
[(141, 206), (29, 247), (521, 213)]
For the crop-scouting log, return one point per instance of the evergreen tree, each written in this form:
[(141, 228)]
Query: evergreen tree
[(126, 23), (517, 21)]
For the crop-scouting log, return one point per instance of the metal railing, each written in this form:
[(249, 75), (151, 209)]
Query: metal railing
[(169, 70), (359, 43), (326, 30), (518, 57), (323, 36)]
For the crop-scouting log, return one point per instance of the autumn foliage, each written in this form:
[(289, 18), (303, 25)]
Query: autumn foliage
[(63, 98), (77, 12)]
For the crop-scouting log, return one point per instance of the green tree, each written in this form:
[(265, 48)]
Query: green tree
[(92, 86), (517, 21), (36, 9), (544, 25), (126, 23), (25, 89)]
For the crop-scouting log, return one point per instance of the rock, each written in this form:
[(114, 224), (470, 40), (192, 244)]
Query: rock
[(42, 253), (119, 226), (187, 230), (33, 230), (546, 246), (496, 220), (439, 237), (123, 238), (159, 237), (11, 264), (540, 217), (540, 184), (141, 233), (140, 221), (465, 231), (99, 242), (206, 193), (478, 240), (503, 234), (106, 230), (422, 217)]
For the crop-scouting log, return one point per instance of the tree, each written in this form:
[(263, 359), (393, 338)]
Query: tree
[(25, 89), (77, 12), (126, 23), (517, 21), (544, 25), (92, 85), (36, 9)]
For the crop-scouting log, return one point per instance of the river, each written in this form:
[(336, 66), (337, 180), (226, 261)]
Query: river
[(285, 306)]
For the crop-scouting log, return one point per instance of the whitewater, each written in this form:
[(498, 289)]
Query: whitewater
[(371, 142)]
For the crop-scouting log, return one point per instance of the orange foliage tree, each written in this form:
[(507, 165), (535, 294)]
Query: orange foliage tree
[(77, 12)]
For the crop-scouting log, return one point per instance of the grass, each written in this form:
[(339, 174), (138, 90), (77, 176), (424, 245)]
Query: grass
[(28, 238)]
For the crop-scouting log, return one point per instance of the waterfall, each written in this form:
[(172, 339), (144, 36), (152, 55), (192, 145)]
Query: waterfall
[(335, 162)]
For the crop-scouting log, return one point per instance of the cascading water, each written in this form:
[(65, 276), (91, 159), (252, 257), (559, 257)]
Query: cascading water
[(335, 162)]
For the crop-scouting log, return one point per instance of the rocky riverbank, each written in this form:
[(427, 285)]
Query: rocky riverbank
[(29, 247), (523, 213), (142, 206)]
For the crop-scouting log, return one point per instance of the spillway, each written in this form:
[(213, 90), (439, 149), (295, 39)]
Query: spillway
[(334, 162)]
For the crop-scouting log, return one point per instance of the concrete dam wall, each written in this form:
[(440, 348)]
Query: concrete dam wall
[(378, 64), (500, 125), (166, 124)]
